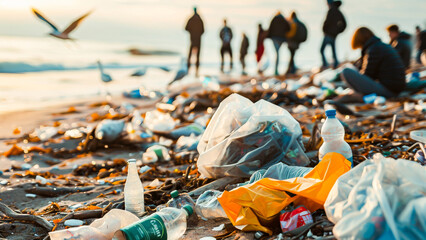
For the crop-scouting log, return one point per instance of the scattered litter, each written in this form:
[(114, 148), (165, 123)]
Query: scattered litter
[(219, 228), (30, 195), (381, 197)]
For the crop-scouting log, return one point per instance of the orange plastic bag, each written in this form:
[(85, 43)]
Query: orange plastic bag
[(256, 206)]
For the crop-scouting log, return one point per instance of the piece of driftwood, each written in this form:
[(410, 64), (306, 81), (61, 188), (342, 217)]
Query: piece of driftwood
[(218, 184), (56, 191), (25, 217), (86, 214)]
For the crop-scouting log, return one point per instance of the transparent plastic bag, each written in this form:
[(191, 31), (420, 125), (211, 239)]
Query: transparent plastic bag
[(208, 207), (100, 229), (379, 198), (243, 137), (280, 171)]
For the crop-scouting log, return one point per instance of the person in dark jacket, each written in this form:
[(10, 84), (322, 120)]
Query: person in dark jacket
[(243, 52), (277, 33), (401, 42), (381, 70), (334, 24), (195, 27), (226, 37), (297, 34), (260, 48), (420, 45)]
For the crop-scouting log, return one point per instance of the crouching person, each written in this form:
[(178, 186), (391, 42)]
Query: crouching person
[(381, 70)]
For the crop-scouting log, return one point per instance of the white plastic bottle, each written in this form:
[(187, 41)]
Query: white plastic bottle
[(155, 153), (167, 224), (133, 190), (333, 134)]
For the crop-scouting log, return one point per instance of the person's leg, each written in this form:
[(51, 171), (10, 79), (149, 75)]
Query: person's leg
[(243, 63), (197, 63), (222, 53), (231, 63), (363, 84), (291, 67), (277, 45), (323, 45), (333, 50), (188, 64), (418, 56)]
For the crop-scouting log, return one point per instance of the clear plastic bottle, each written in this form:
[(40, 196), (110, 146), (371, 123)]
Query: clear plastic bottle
[(180, 200), (177, 201), (167, 224), (333, 134), (133, 190), (155, 153)]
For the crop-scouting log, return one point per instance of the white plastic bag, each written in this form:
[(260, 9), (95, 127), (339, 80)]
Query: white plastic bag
[(243, 137), (380, 198), (158, 121), (100, 229)]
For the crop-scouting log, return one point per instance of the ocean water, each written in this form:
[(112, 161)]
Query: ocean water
[(38, 70)]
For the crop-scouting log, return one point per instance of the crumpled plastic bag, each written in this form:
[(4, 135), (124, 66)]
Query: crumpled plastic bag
[(109, 130), (100, 229), (279, 171), (380, 198), (243, 137), (256, 206), (208, 207)]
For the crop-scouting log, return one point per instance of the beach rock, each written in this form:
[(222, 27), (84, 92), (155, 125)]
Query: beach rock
[(73, 223), (30, 195)]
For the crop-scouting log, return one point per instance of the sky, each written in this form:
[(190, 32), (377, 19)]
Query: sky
[(160, 23)]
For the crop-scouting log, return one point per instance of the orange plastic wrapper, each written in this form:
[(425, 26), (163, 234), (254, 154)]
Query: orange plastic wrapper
[(256, 206)]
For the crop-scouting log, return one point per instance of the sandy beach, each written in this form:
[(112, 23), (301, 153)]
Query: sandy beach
[(99, 172)]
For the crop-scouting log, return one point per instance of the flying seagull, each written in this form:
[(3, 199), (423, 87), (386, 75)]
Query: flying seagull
[(56, 33), (181, 73), (105, 77)]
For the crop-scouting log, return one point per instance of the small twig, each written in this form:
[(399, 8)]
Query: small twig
[(25, 217), (393, 125)]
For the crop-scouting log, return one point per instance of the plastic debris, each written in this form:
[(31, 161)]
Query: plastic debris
[(109, 130), (158, 121), (240, 132), (169, 222), (245, 205), (380, 198), (155, 153), (100, 229), (208, 207), (293, 219)]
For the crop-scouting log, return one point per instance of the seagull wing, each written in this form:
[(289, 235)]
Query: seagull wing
[(38, 14), (73, 25)]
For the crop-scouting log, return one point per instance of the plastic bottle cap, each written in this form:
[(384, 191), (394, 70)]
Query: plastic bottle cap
[(330, 113), (188, 209), (174, 194), (131, 160)]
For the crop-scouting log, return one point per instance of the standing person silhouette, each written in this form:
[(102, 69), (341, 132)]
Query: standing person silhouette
[(297, 34), (226, 37), (195, 27), (277, 33), (243, 52), (260, 48), (334, 24)]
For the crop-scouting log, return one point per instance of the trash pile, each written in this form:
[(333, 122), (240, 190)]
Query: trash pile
[(266, 158)]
